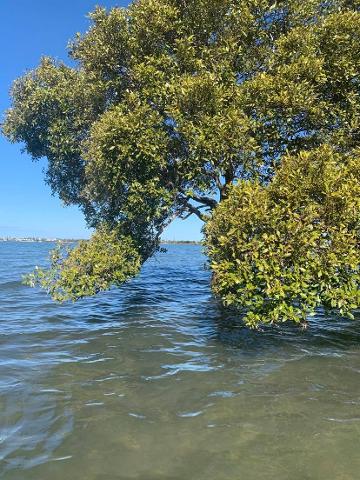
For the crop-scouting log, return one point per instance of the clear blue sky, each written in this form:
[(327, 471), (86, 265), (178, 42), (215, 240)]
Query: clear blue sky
[(30, 29)]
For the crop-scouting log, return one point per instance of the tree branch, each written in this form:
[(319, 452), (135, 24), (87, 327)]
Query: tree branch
[(207, 201), (192, 209)]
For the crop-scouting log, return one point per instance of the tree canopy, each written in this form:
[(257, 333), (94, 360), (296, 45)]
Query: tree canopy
[(244, 113)]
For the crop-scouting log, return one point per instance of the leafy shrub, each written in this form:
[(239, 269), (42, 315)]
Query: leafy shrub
[(280, 251)]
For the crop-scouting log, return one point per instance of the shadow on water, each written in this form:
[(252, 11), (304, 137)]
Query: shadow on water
[(210, 321), (324, 331)]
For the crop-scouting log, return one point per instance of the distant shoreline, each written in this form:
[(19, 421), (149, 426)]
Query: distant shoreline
[(72, 240), (180, 242), (38, 240)]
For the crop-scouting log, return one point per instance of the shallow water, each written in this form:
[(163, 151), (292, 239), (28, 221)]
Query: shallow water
[(154, 381)]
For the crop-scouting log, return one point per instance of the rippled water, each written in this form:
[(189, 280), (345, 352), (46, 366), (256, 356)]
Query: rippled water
[(154, 381)]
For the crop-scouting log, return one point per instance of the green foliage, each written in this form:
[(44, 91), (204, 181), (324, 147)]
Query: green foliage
[(54, 106), (281, 250), (90, 267), (172, 102)]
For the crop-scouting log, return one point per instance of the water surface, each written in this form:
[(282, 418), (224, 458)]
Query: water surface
[(153, 381)]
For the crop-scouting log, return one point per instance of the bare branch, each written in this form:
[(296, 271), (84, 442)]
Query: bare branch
[(191, 209), (207, 201)]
